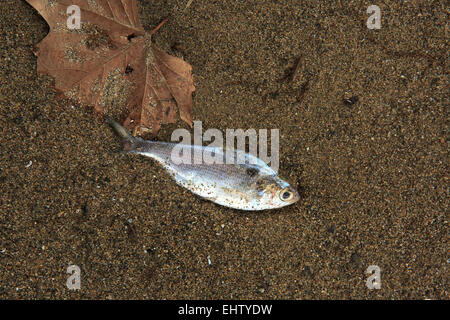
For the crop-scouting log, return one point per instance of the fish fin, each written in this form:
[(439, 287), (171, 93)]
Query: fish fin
[(130, 142)]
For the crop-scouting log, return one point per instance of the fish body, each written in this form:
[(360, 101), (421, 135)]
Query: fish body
[(251, 185)]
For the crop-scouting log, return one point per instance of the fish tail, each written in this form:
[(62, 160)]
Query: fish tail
[(130, 142), (118, 129)]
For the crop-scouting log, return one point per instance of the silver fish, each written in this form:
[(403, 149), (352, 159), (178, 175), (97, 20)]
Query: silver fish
[(250, 186)]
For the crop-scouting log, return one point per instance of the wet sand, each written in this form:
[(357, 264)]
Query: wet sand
[(372, 170)]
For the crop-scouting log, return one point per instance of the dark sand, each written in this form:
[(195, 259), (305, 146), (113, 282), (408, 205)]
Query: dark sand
[(373, 174)]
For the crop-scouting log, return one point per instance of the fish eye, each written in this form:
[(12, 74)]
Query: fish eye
[(286, 195)]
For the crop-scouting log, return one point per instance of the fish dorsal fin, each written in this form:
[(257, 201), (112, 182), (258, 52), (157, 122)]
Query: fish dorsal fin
[(258, 164)]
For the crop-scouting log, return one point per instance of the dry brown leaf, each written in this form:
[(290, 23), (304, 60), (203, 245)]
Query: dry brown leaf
[(111, 64)]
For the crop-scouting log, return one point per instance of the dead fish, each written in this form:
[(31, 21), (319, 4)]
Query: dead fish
[(249, 186)]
